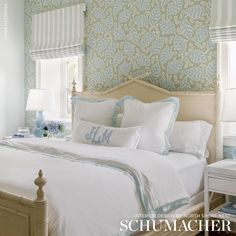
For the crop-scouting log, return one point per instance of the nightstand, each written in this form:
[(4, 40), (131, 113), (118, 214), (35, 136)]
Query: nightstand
[(220, 177), (6, 137), (67, 138)]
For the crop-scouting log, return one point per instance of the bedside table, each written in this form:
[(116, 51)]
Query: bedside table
[(6, 137), (220, 177)]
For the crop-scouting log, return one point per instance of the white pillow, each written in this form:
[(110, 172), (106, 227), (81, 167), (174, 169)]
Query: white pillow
[(190, 137), (100, 112), (120, 110), (91, 133), (119, 119), (157, 119)]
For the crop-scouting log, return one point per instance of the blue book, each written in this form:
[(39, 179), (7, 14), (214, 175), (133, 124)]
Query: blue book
[(21, 135), (229, 209)]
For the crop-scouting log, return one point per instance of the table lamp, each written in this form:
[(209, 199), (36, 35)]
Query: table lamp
[(229, 115), (39, 100)]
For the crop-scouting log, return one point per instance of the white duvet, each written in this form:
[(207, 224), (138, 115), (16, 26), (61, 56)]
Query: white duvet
[(91, 188)]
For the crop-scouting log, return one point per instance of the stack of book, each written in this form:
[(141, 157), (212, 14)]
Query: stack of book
[(23, 135), (229, 208), (23, 132)]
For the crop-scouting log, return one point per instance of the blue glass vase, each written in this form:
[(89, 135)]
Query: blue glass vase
[(39, 124)]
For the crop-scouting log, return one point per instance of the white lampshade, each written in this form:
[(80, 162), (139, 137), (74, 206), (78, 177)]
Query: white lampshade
[(229, 106), (40, 100)]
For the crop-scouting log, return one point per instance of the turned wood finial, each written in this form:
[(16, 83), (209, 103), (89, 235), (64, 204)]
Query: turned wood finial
[(219, 83), (40, 182), (73, 86)]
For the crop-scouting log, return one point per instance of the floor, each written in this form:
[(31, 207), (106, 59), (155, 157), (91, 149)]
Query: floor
[(218, 234)]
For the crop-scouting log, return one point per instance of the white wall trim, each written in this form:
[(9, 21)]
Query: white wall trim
[(81, 74), (223, 64)]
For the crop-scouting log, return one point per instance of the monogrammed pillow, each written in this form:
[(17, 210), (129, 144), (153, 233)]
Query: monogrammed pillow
[(91, 133)]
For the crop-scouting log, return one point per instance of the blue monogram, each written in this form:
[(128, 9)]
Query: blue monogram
[(98, 136)]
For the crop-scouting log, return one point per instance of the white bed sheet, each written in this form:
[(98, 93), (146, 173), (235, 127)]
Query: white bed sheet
[(191, 170), (97, 212)]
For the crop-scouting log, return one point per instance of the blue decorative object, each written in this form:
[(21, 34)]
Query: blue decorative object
[(229, 147), (230, 208), (39, 100), (39, 124), (229, 152), (53, 129)]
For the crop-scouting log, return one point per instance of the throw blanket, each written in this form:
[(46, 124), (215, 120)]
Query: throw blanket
[(158, 187)]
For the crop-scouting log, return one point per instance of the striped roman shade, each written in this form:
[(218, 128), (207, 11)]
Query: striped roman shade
[(58, 33), (223, 21)]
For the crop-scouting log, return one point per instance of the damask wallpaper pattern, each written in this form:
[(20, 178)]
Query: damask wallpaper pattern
[(167, 39)]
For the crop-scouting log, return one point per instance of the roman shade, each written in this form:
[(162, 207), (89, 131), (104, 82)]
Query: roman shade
[(58, 33), (223, 21)]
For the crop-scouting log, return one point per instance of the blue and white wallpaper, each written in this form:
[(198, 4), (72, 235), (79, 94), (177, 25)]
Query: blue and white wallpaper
[(168, 39)]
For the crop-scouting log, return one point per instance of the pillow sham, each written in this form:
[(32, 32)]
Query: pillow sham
[(191, 137), (119, 119), (96, 111), (157, 120), (119, 109), (91, 133)]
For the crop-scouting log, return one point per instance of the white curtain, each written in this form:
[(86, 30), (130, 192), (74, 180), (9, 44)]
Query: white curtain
[(223, 21), (58, 33)]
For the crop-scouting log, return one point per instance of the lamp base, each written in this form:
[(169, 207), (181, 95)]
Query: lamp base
[(38, 132), (39, 124)]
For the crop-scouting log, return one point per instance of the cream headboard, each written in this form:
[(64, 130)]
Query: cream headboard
[(193, 106)]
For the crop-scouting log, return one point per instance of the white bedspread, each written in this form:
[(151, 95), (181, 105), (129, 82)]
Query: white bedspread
[(191, 170), (92, 188)]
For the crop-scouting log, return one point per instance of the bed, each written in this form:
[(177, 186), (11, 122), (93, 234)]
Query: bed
[(22, 214)]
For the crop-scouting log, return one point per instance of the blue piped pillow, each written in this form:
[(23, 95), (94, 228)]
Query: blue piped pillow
[(157, 120), (99, 102), (99, 111), (119, 109)]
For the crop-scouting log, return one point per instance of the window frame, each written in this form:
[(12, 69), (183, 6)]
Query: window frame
[(63, 73), (223, 51), (223, 71), (223, 64)]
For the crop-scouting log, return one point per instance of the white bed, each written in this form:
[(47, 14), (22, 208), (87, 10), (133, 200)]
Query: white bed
[(191, 170), (98, 203), (98, 211)]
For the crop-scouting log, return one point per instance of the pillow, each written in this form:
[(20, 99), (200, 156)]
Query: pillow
[(157, 119), (116, 121), (91, 133), (190, 137), (96, 111), (119, 119)]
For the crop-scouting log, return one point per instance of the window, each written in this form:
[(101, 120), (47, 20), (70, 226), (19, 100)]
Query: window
[(232, 65), (57, 76), (227, 59), (227, 72)]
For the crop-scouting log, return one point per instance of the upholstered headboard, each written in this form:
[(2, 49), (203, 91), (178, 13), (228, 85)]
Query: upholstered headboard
[(193, 106)]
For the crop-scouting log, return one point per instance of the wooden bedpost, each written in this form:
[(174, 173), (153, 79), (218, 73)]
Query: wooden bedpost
[(73, 87), (40, 182), (41, 208), (73, 93), (219, 128)]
